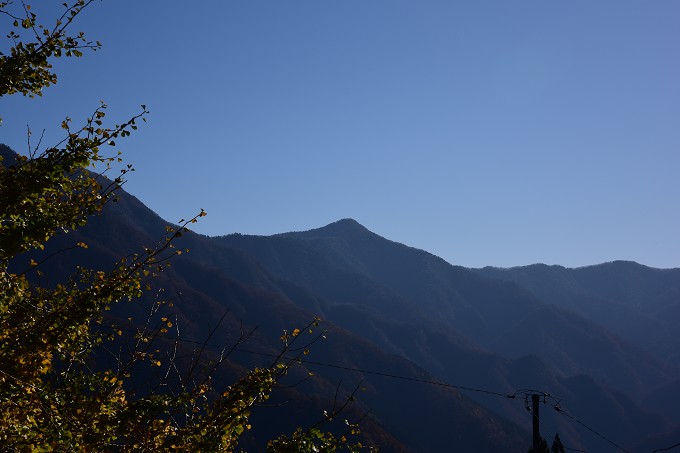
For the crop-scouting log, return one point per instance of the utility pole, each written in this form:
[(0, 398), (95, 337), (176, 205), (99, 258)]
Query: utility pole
[(537, 426), (536, 399)]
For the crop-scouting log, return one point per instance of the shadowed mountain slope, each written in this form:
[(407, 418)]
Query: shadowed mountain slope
[(353, 267), (443, 317), (213, 280), (395, 310), (639, 303)]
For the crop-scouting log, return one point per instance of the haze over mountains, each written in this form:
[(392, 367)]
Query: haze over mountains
[(600, 339)]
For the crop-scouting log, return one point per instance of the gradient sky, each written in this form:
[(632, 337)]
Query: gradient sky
[(487, 132)]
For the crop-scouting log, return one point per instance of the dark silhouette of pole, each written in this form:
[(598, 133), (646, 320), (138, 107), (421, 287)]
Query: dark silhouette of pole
[(537, 433)]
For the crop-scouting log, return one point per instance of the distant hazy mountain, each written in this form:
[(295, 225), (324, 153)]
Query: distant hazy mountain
[(639, 303)]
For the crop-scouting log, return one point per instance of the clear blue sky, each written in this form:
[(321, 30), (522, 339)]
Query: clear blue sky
[(486, 132)]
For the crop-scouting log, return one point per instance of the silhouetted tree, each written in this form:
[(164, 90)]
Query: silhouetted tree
[(557, 446)]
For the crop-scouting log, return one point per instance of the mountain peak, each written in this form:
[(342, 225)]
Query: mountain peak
[(340, 227), (344, 224)]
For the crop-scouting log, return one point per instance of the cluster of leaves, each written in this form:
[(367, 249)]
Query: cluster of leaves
[(26, 68), (51, 395)]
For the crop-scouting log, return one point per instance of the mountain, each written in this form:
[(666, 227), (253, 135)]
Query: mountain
[(457, 323), (214, 282), (444, 352), (356, 269), (638, 303)]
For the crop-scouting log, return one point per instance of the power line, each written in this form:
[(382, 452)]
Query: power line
[(667, 448), (405, 378), (575, 449), (412, 379), (340, 367), (561, 411)]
